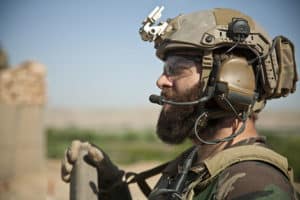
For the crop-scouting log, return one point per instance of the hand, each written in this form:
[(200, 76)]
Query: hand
[(109, 176), (71, 155)]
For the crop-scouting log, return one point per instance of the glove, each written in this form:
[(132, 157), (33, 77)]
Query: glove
[(110, 184)]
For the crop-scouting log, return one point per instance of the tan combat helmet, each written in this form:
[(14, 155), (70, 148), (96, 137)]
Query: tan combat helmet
[(241, 66)]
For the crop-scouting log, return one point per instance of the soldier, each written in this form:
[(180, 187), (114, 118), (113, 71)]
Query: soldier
[(220, 68)]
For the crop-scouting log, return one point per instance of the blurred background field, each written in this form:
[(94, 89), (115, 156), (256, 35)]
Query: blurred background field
[(129, 146), (128, 136)]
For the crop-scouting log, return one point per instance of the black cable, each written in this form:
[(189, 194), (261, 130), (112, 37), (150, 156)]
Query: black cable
[(232, 108), (226, 139), (234, 46), (275, 40)]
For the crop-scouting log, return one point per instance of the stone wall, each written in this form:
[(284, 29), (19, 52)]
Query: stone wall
[(22, 144)]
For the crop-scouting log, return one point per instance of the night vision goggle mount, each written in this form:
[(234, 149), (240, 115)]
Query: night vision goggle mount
[(149, 31)]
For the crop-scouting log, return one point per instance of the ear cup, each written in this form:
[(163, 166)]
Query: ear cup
[(235, 81)]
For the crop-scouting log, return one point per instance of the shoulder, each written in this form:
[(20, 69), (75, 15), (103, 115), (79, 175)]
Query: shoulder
[(252, 180)]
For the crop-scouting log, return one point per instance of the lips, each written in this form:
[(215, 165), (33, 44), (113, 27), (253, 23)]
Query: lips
[(167, 94)]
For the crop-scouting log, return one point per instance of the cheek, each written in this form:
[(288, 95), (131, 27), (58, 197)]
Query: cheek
[(186, 83), (181, 86), (196, 79)]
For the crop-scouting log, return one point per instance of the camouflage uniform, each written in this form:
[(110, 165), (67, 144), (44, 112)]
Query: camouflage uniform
[(244, 180), (248, 180)]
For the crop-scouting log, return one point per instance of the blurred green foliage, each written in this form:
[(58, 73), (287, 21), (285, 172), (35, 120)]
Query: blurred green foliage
[(129, 146), (124, 147)]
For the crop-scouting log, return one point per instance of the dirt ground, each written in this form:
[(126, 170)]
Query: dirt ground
[(58, 190)]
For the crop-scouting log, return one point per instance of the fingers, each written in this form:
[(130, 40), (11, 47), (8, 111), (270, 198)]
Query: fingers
[(70, 157), (72, 154), (66, 168), (73, 151), (95, 154)]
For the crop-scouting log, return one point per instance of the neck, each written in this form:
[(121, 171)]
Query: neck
[(224, 129)]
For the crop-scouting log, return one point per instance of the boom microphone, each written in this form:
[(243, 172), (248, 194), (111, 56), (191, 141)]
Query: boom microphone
[(160, 101), (156, 99)]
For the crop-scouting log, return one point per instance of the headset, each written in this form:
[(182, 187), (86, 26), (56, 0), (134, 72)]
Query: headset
[(232, 84)]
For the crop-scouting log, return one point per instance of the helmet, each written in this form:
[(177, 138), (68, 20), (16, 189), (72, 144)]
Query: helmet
[(242, 66)]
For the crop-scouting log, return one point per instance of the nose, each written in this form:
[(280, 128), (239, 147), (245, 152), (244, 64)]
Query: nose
[(164, 81)]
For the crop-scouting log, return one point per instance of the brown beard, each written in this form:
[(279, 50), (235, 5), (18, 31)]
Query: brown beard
[(176, 124)]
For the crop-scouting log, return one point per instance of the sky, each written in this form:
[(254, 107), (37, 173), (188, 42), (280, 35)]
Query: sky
[(93, 52)]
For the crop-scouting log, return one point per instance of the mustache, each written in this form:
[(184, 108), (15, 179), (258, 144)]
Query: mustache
[(165, 93), (172, 95), (169, 94)]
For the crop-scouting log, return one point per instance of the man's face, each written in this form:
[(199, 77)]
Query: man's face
[(180, 81)]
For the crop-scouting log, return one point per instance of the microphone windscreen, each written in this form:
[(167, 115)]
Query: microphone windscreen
[(155, 99)]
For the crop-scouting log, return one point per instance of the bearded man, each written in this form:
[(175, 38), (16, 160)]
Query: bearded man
[(220, 68)]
